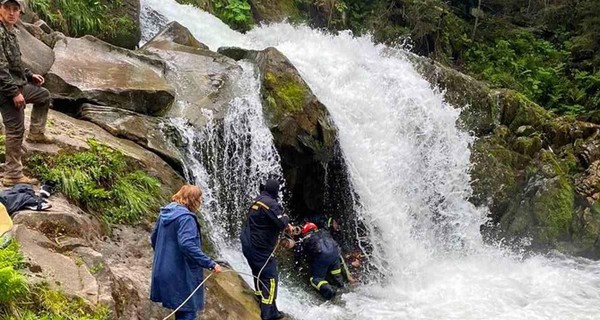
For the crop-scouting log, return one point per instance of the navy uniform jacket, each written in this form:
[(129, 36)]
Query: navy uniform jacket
[(315, 244), (265, 221)]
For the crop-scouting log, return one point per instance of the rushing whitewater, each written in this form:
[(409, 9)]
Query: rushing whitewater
[(409, 165)]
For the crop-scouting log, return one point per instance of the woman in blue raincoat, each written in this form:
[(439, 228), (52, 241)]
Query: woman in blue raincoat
[(178, 263)]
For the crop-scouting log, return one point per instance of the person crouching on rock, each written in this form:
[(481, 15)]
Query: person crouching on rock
[(18, 86), (323, 256), (178, 264)]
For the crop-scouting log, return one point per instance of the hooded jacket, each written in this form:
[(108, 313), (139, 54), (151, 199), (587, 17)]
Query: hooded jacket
[(265, 220), (178, 263)]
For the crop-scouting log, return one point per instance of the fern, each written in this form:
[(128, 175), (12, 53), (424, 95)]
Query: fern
[(102, 181)]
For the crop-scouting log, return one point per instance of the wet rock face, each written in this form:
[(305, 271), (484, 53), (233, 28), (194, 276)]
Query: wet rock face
[(204, 81), (144, 130), (535, 172), (91, 70), (303, 132)]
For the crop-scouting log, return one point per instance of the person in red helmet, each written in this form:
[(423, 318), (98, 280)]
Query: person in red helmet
[(323, 256)]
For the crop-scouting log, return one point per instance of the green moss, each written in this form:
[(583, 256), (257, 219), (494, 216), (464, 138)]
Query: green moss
[(586, 228), (518, 111), (553, 210), (495, 173), (528, 146), (103, 181), (284, 94)]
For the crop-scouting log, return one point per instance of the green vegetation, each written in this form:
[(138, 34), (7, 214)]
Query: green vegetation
[(236, 13), (21, 300), (80, 17), (103, 181), (547, 50)]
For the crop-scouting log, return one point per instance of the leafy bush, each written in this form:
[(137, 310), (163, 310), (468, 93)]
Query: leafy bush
[(13, 285), (235, 13), (103, 181), (81, 17), (536, 68)]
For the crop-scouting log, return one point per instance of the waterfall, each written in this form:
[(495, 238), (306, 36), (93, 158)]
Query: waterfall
[(409, 165)]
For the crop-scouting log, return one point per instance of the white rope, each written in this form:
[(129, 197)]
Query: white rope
[(210, 275), (189, 297)]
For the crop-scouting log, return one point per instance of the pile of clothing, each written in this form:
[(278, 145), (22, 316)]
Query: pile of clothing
[(20, 197)]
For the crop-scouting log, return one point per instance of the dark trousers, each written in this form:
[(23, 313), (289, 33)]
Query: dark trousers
[(185, 315), (323, 267), (14, 125), (266, 288)]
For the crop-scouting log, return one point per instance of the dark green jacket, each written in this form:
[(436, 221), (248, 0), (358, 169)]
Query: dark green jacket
[(13, 75)]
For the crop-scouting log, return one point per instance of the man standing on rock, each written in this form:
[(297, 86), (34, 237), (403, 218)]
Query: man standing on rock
[(265, 222), (15, 92)]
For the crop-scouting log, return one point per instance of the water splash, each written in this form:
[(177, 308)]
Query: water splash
[(409, 165)]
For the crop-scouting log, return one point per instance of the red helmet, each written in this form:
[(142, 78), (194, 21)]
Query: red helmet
[(308, 227)]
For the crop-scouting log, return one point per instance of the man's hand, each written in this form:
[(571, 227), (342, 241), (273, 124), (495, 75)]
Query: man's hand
[(37, 79), (19, 101), (217, 268)]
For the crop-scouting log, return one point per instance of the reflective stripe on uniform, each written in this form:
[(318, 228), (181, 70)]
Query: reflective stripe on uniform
[(271, 297), (336, 271), (318, 285), (262, 205), (258, 204)]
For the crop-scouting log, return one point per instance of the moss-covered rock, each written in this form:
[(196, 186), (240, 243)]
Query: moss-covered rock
[(303, 132), (528, 146), (480, 110), (496, 173), (544, 210)]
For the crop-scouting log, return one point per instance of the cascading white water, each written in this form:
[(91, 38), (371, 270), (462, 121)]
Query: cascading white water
[(409, 165), (231, 159)]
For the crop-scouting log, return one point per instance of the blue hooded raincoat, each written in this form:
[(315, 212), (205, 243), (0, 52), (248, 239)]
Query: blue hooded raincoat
[(178, 263)]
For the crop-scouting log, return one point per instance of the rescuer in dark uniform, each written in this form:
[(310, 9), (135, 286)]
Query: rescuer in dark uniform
[(323, 256), (265, 221)]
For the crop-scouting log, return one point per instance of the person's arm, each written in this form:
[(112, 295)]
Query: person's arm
[(278, 217), (187, 238), (8, 87)]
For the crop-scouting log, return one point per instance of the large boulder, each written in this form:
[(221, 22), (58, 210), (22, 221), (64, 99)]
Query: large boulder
[(479, 109), (112, 271), (36, 56), (74, 134), (303, 132), (203, 80), (130, 261), (534, 171), (144, 130), (89, 69)]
